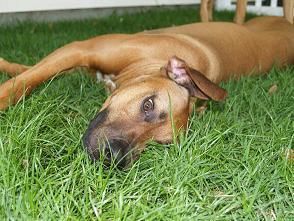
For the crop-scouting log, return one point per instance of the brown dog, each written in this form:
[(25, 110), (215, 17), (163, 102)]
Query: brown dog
[(156, 74)]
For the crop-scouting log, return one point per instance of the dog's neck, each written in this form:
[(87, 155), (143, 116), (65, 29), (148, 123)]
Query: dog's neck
[(139, 71)]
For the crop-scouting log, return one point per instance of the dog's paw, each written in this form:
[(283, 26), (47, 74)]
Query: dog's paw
[(107, 80), (11, 91), (2, 60), (110, 86), (4, 101), (99, 76)]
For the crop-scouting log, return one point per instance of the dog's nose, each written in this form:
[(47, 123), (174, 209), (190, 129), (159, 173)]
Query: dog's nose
[(111, 151), (115, 151), (102, 144)]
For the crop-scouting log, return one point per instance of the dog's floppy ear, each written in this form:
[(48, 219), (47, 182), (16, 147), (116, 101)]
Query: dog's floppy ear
[(196, 83)]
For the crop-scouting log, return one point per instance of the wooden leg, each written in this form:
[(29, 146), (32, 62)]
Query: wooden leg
[(240, 12), (210, 10), (204, 10), (289, 10)]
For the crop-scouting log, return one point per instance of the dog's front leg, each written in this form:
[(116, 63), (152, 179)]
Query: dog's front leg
[(97, 53), (62, 59)]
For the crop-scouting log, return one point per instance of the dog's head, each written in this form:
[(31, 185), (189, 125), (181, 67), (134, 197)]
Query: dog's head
[(145, 110)]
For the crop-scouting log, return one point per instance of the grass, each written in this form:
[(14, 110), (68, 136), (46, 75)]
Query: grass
[(229, 165)]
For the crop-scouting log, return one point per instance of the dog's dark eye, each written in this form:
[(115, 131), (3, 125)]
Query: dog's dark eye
[(148, 105)]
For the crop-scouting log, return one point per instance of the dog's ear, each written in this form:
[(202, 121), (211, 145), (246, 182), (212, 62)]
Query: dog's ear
[(196, 83)]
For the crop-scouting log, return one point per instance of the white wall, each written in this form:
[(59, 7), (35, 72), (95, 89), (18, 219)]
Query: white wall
[(257, 8), (7, 6)]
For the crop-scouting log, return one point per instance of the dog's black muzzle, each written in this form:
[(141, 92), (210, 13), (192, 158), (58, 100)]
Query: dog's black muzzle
[(102, 146)]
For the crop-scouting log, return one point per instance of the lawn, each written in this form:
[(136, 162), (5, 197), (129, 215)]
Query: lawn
[(231, 164)]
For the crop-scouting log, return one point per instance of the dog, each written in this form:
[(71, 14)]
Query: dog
[(207, 8), (155, 77)]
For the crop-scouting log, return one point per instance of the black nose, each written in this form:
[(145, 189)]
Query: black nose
[(99, 147), (115, 151), (112, 151)]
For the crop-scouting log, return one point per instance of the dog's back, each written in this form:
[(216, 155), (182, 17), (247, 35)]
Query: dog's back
[(269, 23), (270, 40), (272, 28)]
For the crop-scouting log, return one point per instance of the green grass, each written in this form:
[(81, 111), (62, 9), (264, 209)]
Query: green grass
[(230, 165)]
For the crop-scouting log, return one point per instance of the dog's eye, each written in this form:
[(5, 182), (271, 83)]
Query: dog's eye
[(148, 105)]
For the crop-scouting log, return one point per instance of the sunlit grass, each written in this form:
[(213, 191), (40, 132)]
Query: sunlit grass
[(229, 165)]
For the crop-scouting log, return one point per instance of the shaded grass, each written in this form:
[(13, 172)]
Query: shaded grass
[(229, 165)]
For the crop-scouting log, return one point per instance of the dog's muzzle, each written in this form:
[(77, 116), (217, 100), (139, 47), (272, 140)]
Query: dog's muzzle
[(101, 146)]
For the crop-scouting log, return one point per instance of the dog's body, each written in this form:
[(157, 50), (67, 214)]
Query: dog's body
[(228, 49), (151, 83)]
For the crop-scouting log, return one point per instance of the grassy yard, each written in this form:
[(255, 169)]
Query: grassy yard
[(230, 165)]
